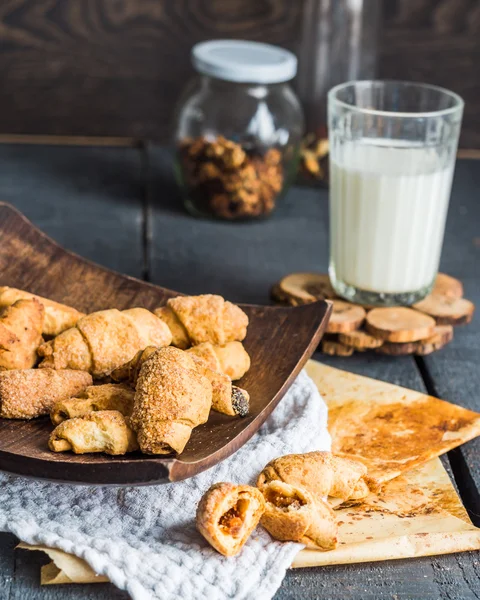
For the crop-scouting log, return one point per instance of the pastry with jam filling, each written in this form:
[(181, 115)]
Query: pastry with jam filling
[(227, 515), (291, 514)]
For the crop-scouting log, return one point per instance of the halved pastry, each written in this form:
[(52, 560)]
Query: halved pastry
[(104, 431), (291, 514), (227, 514), (110, 396), (320, 473)]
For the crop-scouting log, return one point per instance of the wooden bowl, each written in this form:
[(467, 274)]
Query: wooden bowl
[(279, 341)]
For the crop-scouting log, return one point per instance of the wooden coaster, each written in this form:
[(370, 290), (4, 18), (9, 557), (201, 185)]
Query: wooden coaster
[(345, 317), (303, 288), (397, 349), (447, 310), (360, 340), (399, 324), (421, 329), (336, 348), (446, 285), (443, 335), (280, 298)]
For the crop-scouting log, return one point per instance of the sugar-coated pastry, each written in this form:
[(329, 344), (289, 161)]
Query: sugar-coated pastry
[(110, 396), (57, 317), (204, 318), (227, 514), (105, 340), (30, 393), (226, 398), (102, 431), (291, 514), (320, 473), (20, 334), (171, 399)]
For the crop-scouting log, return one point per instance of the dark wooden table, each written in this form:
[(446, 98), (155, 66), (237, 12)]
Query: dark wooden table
[(120, 208)]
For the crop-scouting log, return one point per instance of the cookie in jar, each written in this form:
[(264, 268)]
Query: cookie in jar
[(238, 130)]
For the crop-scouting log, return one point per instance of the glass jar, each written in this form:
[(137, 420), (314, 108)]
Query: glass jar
[(238, 129), (338, 42)]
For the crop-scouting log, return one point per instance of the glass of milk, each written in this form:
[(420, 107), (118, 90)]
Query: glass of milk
[(392, 155)]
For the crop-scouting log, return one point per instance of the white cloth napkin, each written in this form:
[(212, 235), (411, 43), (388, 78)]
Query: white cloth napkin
[(144, 538)]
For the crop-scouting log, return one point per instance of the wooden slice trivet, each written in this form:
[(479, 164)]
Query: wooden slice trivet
[(336, 348), (360, 340), (442, 336), (397, 349), (303, 288), (279, 298), (447, 311), (399, 324), (345, 317), (421, 329), (446, 285)]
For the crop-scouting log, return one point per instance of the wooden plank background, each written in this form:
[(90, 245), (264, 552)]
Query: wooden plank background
[(116, 67)]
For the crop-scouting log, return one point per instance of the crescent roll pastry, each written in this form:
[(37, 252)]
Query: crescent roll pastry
[(30, 393), (205, 318), (20, 334), (226, 398), (320, 473), (110, 396), (180, 337), (130, 371), (291, 514), (103, 431), (231, 359), (105, 340), (227, 514), (58, 317), (171, 399)]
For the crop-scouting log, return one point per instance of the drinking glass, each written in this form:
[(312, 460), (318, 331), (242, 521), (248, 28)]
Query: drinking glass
[(392, 155)]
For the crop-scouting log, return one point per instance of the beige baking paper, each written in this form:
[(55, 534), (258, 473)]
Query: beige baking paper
[(417, 514), (391, 429), (64, 568)]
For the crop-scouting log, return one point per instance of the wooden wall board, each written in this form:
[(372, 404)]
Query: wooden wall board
[(117, 68)]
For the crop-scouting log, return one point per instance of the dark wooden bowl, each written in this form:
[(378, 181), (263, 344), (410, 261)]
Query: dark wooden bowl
[(279, 341)]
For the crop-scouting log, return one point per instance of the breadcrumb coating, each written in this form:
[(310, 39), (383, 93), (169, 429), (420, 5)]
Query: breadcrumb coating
[(171, 399), (30, 393)]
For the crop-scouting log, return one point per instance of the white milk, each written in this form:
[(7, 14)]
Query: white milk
[(387, 216)]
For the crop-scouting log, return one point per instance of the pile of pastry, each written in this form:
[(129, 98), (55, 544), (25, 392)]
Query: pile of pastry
[(116, 381), (293, 501)]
